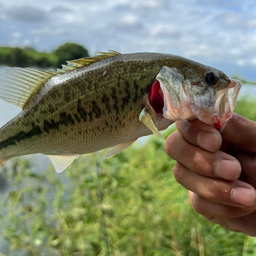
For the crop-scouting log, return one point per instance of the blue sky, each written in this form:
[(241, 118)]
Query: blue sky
[(220, 33)]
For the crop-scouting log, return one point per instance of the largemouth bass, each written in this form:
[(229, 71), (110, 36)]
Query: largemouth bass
[(108, 101)]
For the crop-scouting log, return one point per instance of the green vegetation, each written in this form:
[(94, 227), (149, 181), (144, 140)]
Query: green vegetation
[(243, 80), (127, 205), (28, 57), (70, 51)]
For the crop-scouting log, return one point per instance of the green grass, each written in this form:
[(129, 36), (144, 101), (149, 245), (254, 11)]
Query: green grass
[(134, 207), (127, 205)]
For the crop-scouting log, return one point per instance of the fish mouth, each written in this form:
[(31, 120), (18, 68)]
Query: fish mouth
[(156, 98), (217, 116), (225, 104)]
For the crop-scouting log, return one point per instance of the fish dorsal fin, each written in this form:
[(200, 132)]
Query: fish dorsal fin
[(118, 148), (17, 85), (60, 163), (84, 62)]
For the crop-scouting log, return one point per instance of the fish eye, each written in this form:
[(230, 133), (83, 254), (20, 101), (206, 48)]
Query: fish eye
[(211, 78)]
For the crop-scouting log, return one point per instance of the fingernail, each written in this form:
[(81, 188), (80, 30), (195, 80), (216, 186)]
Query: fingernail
[(207, 140), (227, 169), (243, 196)]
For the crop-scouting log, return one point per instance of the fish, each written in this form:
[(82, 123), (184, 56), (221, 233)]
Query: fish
[(108, 101)]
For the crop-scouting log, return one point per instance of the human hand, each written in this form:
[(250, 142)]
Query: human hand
[(219, 170)]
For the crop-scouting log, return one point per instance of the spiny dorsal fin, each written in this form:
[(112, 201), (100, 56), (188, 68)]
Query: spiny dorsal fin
[(84, 62), (18, 84)]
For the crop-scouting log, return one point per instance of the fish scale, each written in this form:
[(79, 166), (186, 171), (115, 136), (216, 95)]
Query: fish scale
[(86, 107), (100, 102)]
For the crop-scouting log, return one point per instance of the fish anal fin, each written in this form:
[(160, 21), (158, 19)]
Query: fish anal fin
[(118, 148), (17, 85), (84, 62), (60, 163), (146, 119)]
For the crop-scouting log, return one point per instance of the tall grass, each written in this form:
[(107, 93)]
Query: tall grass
[(127, 205)]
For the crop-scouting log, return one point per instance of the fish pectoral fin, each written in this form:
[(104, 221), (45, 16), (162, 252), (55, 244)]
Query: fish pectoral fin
[(19, 84), (118, 148), (146, 119), (60, 163)]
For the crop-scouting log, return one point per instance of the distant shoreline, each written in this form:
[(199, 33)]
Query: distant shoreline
[(243, 80), (26, 57), (29, 57)]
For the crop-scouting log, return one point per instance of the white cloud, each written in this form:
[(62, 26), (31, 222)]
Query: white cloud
[(161, 30), (253, 61), (251, 23), (16, 35), (150, 4), (129, 20), (246, 62), (232, 18), (27, 13), (241, 63)]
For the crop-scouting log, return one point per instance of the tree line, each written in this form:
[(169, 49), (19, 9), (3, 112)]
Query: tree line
[(29, 57)]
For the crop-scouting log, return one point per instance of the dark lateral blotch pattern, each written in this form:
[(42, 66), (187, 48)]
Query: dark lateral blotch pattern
[(13, 140)]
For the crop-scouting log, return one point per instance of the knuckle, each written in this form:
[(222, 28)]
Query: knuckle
[(214, 193), (172, 143), (196, 160), (179, 173), (196, 202), (201, 164)]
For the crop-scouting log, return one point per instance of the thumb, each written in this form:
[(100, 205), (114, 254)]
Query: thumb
[(241, 132)]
